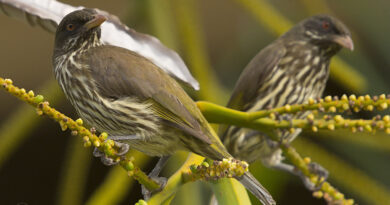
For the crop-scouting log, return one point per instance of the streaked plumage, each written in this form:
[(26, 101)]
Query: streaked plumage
[(124, 94), (290, 70)]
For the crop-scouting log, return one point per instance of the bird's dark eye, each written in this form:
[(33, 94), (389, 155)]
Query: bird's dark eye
[(325, 25), (70, 27)]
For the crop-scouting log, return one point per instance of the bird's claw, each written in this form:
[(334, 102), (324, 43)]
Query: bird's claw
[(123, 148), (272, 144), (322, 174), (147, 193)]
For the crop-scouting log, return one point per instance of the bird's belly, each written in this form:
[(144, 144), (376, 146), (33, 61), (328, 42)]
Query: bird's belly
[(251, 145), (158, 145), (153, 138)]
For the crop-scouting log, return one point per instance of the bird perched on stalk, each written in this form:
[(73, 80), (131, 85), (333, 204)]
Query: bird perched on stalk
[(124, 94), (291, 70)]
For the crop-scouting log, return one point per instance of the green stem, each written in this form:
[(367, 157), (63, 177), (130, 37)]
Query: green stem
[(222, 115), (175, 181), (117, 183), (218, 114), (194, 48), (103, 145), (74, 176)]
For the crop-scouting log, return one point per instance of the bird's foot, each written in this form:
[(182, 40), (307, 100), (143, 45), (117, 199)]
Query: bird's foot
[(272, 144), (322, 174), (122, 149), (147, 193), (314, 168), (154, 175)]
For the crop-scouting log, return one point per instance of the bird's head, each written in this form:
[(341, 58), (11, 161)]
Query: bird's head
[(78, 29), (325, 32)]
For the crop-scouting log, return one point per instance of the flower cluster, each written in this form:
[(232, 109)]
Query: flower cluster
[(89, 137), (329, 104), (227, 168)]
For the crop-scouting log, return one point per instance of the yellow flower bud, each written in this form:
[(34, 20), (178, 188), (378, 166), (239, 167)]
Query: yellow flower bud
[(387, 130), (310, 116), (339, 196), (338, 118), (383, 105), (85, 138), (31, 93), (332, 109), (345, 106), (331, 127), (368, 128), (79, 121), (307, 160), (96, 143), (8, 81), (104, 135), (370, 107), (87, 144), (318, 194)]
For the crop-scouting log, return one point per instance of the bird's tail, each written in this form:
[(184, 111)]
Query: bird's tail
[(251, 183), (218, 151)]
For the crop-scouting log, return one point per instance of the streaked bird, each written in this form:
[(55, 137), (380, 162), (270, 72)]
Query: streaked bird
[(291, 70), (124, 94)]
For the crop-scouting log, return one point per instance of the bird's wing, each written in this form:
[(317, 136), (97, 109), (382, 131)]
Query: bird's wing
[(122, 73), (255, 73), (251, 78)]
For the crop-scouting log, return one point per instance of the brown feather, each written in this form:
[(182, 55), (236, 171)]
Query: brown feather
[(122, 73)]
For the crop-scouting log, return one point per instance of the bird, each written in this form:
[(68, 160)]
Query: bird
[(291, 70), (130, 98)]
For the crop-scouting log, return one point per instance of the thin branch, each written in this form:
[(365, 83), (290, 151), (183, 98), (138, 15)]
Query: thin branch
[(351, 178), (218, 114), (106, 146), (332, 195), (235, 168), (266, 120), (330, 104)]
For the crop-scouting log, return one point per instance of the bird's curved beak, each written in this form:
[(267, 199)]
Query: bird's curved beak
[(95, 22), (344, 41)]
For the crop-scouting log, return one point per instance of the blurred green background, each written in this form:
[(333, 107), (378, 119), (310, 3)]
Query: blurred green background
[(39, 164)]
